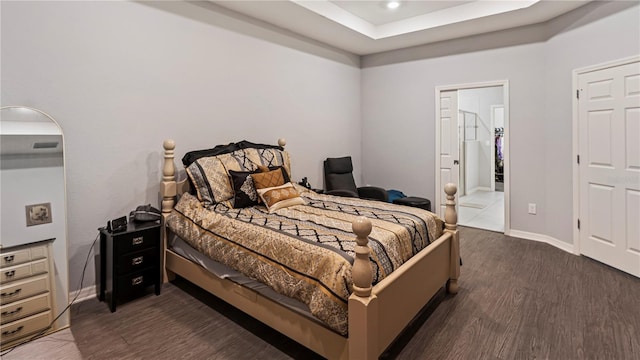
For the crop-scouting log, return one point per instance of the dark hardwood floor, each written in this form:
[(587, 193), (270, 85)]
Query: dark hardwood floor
[(518, 299)]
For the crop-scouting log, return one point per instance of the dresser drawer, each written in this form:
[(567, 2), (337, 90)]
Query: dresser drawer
[(23, 327), (136, 241), (17, 290), (138, 260), (23, 255), (24, 270), (23, 308), (130, 284)]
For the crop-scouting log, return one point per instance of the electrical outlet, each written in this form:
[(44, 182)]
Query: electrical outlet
[(532, 208), (38, 214)]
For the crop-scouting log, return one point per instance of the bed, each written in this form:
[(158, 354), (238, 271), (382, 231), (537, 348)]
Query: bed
[(349, 295)]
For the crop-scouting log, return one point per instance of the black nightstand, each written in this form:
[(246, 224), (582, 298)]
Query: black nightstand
[(129, 262)]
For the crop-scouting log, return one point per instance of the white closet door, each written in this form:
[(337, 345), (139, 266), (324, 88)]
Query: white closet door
[(609, 149)]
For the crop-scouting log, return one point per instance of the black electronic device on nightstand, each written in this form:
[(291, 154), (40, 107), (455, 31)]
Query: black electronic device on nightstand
[(129, 262)]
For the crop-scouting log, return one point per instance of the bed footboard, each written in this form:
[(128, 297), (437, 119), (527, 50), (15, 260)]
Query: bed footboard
[(378, 314)]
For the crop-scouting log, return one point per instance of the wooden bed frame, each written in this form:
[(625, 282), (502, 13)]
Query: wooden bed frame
[(377, 314)]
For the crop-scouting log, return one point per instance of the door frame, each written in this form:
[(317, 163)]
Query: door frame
[(507, 156), (576, 139)]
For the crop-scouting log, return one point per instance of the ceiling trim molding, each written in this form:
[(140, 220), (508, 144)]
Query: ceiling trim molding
[(447, 16)]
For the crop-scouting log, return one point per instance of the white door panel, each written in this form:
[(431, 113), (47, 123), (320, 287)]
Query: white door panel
[(448, 144), (609, 147)]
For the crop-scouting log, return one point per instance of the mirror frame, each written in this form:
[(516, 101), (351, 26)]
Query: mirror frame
[(60, 319)]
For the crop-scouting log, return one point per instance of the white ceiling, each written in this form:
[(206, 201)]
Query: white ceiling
[(367, 27)]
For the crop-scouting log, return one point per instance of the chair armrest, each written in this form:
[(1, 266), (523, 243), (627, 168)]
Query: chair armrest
[(373, 193), (341, 192)]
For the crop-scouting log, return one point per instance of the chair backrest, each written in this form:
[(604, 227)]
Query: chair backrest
[(338, 174)]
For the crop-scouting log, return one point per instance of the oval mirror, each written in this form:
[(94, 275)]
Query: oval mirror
[(33, 226)]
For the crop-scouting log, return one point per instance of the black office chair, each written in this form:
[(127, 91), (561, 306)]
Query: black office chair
[(338, 178)]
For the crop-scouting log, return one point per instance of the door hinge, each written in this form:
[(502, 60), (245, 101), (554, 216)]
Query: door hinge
[(578, 224), (578, 94), (578, 159)]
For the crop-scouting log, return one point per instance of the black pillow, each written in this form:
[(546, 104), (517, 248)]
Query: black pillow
[(245, 194), (192, 156)]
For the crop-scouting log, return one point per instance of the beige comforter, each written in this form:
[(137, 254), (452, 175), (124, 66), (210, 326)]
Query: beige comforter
[(306, 251)]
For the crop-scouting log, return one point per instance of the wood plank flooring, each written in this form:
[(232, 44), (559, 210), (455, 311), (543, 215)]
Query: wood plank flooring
[(518, 299)]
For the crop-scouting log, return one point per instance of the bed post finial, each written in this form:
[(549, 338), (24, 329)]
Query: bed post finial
[(450, 215), (168, 185), (451, 226), (361, 273), (282, 142)]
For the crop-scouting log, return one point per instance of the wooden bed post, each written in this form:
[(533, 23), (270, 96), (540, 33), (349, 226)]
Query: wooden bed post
[(168, 193), (363, 306), (168, 185), (450, 223)]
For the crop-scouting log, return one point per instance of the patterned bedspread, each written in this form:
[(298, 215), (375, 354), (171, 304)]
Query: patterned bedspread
[(306, 252)]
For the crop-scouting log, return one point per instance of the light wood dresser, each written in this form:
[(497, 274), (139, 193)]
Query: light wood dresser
[(26, 292)]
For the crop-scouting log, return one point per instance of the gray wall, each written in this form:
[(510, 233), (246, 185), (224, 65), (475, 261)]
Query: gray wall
[(399, 107), (120, 77)]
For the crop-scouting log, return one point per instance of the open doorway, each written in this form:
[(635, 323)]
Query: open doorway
[(481, 149), (472, 140)]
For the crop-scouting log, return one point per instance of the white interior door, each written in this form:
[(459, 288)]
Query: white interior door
[(449, 147), (609, 150)]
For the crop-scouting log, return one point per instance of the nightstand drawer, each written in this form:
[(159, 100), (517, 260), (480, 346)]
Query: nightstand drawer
[(22, 271), (20, 328), (22, 256), (138, 260), (136, 241), (133, 283), (23, 308), (23, 289)]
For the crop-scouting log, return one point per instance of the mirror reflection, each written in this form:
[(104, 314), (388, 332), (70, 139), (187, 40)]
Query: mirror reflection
[(32, 225)]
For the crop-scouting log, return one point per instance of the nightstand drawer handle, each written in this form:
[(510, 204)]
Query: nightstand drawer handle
[(10, 273), (6, 313), (5, 333), (11, 293), (137, 260), (8, 259), (136, 280), (137, 240)]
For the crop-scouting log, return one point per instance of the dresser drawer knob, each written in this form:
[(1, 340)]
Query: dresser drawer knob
[(10, 273), (7, 313), (18, 329), (11, 293), (137, 240), (136, 280), (8, 258), (137, 260)]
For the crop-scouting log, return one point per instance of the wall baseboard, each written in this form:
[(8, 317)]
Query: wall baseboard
[(83, 294), (542, 238)]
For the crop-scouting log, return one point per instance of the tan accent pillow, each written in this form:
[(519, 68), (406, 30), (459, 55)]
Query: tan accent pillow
[(268, 179), (280, 197), (263, 168)]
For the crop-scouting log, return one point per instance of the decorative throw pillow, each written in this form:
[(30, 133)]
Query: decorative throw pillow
[(268, 179), (280, 197), (262, 168), (245, 194)]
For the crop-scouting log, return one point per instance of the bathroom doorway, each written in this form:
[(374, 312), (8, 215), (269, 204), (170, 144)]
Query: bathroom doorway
[(481, 120)]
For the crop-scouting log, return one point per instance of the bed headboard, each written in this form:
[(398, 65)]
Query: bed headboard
[(170, 187)]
